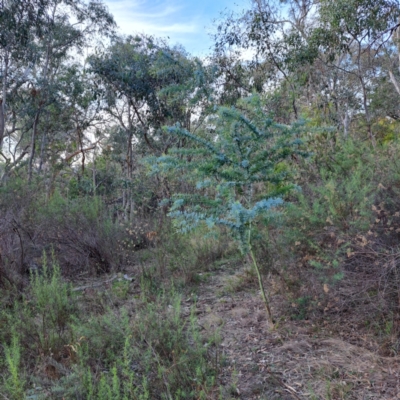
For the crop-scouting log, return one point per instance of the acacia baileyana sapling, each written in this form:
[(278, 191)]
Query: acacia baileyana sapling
[(241, 149)]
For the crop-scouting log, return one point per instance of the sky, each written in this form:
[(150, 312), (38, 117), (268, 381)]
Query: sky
[(187, 22)]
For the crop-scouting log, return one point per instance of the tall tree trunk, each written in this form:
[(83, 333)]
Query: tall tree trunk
[(3, 102), (366, 111), (94, 173), (346, 122), (397, 44), (42, 146), (2, 122), (129, 210), (33, 144)]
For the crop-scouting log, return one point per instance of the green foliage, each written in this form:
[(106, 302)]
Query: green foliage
[(175, 349), (349, 19), (37, 327), (157, 352), (44, 317), (183, 257), (247, 149), (339, 197), (14, 384), (301, 306), (53, 304), (145, 70), (225, 170), (347, 208), (104, 335)]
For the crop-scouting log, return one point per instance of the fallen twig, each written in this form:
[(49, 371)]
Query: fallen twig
[(97, 284)]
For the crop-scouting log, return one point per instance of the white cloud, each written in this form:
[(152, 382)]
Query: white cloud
[(163, 18), (184, 22), (137, 8), (130, 23)]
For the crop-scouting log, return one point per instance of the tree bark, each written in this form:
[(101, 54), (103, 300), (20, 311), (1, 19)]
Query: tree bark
[(394, 81), (3, 102), (33, 144)]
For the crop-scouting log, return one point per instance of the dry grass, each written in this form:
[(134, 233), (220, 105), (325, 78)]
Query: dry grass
[(331, 357)]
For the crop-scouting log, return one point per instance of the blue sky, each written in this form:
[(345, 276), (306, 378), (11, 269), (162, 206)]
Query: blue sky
[(186, 22)]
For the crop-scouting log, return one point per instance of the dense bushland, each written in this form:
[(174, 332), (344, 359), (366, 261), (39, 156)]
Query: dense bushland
[(333, 247), (129, 179), (63, 345)]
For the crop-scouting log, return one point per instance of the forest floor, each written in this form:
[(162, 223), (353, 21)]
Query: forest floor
[(298, 359), (322, 358)]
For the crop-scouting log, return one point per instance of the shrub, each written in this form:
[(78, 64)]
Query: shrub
[(52, 342), (247, 150), (37, 329), (157, 354), (184, 256), (14, 383)]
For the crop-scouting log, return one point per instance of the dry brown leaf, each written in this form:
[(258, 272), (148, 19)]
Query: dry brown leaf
[(349, 253)]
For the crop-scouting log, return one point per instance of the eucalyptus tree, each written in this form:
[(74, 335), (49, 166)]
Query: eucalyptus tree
[(273, 36), (71, 126), (385, 97), (145, 84), (37, 39), (324, 55), (18, 25), (353, 36), (394, 66)]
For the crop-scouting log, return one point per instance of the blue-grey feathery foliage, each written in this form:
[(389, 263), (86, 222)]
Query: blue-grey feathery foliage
[(237, 169)]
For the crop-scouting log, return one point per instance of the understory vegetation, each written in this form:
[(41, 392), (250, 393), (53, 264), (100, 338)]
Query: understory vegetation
[(144, 192)]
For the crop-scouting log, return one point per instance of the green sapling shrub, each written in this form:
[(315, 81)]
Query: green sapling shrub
[(239, 171)]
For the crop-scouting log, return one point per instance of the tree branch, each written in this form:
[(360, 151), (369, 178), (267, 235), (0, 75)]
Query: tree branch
[(394, 81)]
